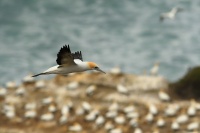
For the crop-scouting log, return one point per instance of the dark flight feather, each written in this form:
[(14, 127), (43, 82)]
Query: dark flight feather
[(65, 56)]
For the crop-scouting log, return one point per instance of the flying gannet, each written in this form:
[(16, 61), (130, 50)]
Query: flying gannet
[(171, 14), (70, 62)]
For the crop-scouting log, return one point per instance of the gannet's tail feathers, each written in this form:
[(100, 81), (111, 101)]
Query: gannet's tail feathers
[(39, 74)]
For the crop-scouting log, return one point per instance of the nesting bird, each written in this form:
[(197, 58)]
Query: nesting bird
[(3, 92), (70, 62), (164, 96), (90, 90), (11, 85), (175, 125), (171, 14), (193, 126), (75, 128), (47, 117), (115, 71), (122, 89)]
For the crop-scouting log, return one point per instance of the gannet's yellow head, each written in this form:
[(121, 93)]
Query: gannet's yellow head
[(94, 66)]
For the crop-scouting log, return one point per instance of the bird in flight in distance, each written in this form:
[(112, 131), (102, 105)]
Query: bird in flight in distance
[(70, 62), (171, 14)]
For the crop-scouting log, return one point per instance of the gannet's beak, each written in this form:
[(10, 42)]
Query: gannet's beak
[(98, 69)]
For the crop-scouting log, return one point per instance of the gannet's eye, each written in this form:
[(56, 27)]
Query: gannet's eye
[(95, 67)]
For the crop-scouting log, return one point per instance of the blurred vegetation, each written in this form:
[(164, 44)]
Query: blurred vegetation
[(187, 87)]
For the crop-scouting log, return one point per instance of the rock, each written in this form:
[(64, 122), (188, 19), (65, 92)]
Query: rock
[(188, 86)]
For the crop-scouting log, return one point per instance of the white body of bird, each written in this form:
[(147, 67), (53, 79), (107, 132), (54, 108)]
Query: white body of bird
[(75, 128), (175, 125), (182, 118), (122, 89), (120, 119), (160, 122), (30, 114), (193, 126), (3, 92), (47, 117), (164, 96), (100, 120)]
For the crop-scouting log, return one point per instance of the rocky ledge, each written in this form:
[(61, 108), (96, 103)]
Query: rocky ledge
[(95, 102)]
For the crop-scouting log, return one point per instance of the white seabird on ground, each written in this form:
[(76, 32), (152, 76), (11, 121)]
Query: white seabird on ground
[(3, 91), (100, 120), (47, 117), (175, 125), (164, 96), (70, 62), (75, 128), (30, 114), (122, 89), (90, 90)]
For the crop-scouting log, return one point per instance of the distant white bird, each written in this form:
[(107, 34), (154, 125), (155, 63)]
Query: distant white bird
[(11, 85), (75, 128), (193, 126), (116, 130), (160, 122), (171, 110), (64, 110), (153, 109), (90, 90), (120, 120), (30, 114), (122, 89), (133, 122), (47, 117), (3, 92), (175, 125), (182, 118), (109, 125), (91, 116), (80, 111), (164, 96), (100, 120), (114, 106), (138, 130), (73, 85), (20, 91), (86, 106), (30, 106), (191, 111), (129, 108), (171, 14), (10, 114), (115, 71), (132, 115), (47, 100), (63, 119), (70, 62), (111, 114), (149, 117), (40, 84), (52, 108), (154, 69)]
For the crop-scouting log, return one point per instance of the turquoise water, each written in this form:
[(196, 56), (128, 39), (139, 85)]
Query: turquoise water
[(112, 33)]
